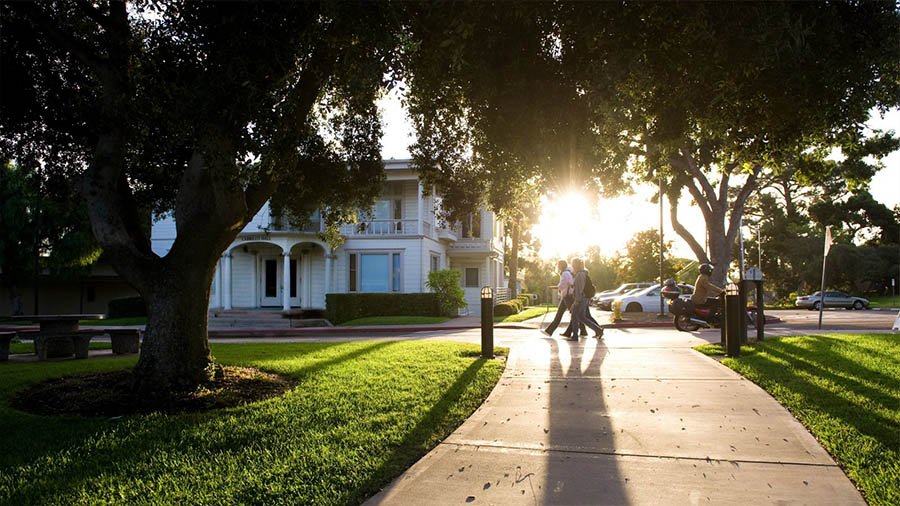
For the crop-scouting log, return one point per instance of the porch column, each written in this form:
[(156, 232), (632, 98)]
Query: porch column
[(286, 281), (226, 281), (487, 272), (328, 257), (421, 211)]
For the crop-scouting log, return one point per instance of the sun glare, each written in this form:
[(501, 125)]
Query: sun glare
[(569, 224)]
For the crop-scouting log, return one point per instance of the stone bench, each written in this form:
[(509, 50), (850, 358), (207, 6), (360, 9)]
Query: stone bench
[(64, 345), (5, 339), (124, 341), (78, 343)]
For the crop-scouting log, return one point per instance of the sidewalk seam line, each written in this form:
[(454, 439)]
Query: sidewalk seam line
[(637, 455)]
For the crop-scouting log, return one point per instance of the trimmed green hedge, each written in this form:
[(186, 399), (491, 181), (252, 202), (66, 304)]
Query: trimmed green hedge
[(125, 307), (509, 307), (343, 307)]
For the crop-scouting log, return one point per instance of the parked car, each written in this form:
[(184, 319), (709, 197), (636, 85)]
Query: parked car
[(832, 299), (603, 300), (647, 299)]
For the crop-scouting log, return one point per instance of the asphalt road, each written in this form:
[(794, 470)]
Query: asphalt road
[(834, 319)]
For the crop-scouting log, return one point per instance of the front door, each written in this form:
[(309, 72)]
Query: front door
[(270, 281)]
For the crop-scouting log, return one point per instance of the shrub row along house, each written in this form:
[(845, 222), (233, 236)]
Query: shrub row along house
[(391, 250)]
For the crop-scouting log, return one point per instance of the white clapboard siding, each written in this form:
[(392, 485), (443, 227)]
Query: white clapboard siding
[(317, 280), (243, 285)]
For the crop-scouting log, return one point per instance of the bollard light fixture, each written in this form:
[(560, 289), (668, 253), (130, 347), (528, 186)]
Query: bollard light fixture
[(487, 322), (732, 289)]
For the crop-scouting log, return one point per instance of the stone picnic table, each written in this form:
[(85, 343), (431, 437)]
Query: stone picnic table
[(59, 336)]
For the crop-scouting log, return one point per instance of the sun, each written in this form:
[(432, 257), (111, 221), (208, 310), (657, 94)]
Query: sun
[(567, 225), (570, 223)]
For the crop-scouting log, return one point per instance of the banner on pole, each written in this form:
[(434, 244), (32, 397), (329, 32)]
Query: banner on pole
[(828, 239)]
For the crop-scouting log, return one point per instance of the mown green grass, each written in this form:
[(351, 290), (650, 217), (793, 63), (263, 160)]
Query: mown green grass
[(882, 301), (28, 347), (846, 390), (395, 320), (526, 314), (361, 413), (113, 322)]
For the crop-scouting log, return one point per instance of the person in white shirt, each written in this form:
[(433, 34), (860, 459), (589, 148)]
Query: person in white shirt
[(566, 289)]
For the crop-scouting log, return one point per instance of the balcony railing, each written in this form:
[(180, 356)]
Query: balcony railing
[(381, 227)]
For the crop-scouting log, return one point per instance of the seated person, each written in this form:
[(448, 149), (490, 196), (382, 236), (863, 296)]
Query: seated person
[(704, 291)]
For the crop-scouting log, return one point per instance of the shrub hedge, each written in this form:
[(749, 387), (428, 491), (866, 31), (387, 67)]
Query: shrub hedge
[(532, 298), (125, 307), (509, 307), (342, 307)]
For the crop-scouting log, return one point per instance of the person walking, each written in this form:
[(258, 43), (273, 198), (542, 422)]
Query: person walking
[(565, 288), (580, 316)]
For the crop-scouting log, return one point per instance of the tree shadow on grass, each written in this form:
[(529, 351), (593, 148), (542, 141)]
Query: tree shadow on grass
[(47, 459), (822, 399), (430, 430)]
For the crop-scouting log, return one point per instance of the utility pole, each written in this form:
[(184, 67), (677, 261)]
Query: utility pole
[(662, 307)]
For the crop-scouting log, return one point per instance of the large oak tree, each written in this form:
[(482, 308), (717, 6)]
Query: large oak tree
[(204, 110), (714, 96)]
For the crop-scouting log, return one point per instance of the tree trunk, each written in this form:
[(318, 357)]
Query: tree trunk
[(513, 260), (174, 354)]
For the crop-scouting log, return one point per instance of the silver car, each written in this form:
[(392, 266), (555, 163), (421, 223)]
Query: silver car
[(832, 299)]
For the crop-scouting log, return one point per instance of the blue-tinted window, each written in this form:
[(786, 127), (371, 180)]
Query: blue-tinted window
[(374, 273), (395, 272)]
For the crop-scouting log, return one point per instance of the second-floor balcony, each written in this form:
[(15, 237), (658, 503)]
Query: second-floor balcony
[(381, 228), (283, 224)]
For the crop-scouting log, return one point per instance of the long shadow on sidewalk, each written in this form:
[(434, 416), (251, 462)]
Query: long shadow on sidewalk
[(579, 425)]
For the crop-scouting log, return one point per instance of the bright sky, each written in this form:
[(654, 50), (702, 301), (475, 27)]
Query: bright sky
[(616, 220)]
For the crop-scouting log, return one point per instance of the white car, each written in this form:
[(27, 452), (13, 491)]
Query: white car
[(604, 299), (647, 299)]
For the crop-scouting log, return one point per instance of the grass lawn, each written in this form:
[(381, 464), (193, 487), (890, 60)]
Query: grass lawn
[(394, 320), (846, 390), (526, 314), (882, 301), (128, 320), (361, 413), (28, 347)]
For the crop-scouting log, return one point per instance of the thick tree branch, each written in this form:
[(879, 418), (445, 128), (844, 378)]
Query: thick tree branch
[(698, 250), (737, 209), (698, 174), (700, 200), (723, 184)]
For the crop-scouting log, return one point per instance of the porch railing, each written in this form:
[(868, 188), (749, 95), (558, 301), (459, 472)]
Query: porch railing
[(381, 227)]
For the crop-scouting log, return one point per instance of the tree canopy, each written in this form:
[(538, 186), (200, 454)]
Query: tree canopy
[(201, 109)]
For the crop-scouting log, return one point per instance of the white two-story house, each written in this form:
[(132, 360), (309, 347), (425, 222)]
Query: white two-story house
[(272, 265)]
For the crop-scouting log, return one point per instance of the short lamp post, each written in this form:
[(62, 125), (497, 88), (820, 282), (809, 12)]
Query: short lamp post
[(487, 322), (732, 320)]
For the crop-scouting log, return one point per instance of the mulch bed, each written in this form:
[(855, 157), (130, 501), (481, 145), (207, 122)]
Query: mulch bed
[(110, 394)]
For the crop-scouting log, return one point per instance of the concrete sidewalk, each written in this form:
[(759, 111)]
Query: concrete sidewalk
[(613, 423)]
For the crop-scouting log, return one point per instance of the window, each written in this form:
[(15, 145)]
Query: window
[(388, 209), (375, 272), (435, 262), (353, 272), (471, 226), (271, 283), (472, 277), (293, 268)]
